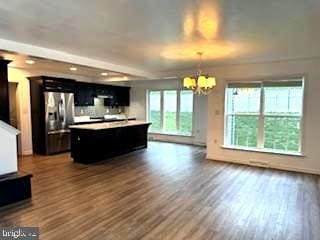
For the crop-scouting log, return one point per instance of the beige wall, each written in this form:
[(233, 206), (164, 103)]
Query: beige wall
[(23, 103), (23, 109), (311, 129), (215, 130)]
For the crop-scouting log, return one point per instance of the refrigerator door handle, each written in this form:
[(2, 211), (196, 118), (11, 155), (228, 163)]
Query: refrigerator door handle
[(61, 110), (59, 132)]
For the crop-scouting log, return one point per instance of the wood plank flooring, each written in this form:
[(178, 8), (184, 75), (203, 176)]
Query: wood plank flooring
[(167, 191)]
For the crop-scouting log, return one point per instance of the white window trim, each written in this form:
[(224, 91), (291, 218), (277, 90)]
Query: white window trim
[(262, 115), (162, 112), (263, 150)]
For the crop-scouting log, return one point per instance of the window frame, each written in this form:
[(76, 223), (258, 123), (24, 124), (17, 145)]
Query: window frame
[(262, 115), (178, 133)]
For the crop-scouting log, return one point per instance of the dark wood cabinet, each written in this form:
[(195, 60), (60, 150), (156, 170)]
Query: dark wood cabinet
[(111, 101), (4, 91), (120, 97), (54, 84), (114, 96), (103, 90), (84, 95), (51, 84), (38, 120), (89, 146), (123, 96), (84, 92)]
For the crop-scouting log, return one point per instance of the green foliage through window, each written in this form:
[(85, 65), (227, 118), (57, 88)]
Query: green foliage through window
[(274, 125), (171, 121)]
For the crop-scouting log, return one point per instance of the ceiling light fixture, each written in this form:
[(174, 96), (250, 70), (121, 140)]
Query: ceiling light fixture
[(199, 83), (104, 74), (29, 61), (73, 69)]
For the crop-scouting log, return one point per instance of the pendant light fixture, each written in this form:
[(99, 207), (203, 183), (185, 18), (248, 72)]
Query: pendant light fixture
[(199, 83)]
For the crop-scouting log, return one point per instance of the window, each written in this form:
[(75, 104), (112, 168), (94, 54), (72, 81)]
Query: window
[(265, 115), (171, 111), (154, 113), (186, 112)]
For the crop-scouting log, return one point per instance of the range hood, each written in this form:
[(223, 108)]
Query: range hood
[(105, 96)]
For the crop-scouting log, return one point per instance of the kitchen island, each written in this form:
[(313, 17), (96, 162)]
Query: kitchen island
[(95, 142)]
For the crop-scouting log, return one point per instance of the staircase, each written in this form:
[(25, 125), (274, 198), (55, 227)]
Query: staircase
[(14, 186)]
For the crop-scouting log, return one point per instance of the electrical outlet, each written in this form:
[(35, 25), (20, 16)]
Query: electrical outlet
[(108, 110)]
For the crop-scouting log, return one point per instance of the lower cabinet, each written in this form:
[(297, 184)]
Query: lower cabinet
[(89, 146)]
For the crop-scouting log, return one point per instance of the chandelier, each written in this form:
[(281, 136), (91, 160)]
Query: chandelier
[(199, 83)]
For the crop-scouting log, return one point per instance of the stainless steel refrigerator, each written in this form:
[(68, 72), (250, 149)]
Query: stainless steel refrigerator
[(52, 111), (59, 114)]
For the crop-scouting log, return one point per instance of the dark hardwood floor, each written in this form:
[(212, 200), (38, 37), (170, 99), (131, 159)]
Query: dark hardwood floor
[(167, 191)]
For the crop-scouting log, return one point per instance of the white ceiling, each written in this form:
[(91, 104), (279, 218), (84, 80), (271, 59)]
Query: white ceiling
[(162, 35), (43, 66)]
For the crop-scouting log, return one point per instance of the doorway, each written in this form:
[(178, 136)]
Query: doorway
[(13, 109)]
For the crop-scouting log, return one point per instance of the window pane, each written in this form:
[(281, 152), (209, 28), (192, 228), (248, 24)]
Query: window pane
[(242, 131), (282, 133), (186, 110), (283, 100), (243, 100), (154, 114), (170, 111)]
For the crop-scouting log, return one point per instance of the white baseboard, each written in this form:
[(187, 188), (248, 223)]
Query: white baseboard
[(27, 152), (189, 140), (170, 138), (270, 165)]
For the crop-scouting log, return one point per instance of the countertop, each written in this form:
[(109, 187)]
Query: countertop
[(91, 121), (108, 125)]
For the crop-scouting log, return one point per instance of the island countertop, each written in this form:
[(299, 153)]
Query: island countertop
[(108, 125), (94, 142)]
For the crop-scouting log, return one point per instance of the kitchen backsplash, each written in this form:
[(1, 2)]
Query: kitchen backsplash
[(98, 110)]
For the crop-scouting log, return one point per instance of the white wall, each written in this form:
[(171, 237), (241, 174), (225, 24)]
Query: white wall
[(138, 109), (311, 129), (8, 149)]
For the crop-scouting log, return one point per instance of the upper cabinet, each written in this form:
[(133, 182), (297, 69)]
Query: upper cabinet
[(124, 93), (114, 96), (51, 84), (84, 94), (120, 96)]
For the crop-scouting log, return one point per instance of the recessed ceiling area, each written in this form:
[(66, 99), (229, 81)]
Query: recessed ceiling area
[(44, 66), (159, 36)]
